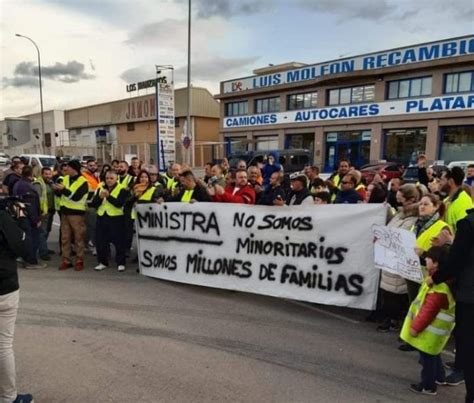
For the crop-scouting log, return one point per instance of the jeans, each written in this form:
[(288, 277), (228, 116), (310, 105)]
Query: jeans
[(432, 370), (90, 217), (35, 241), (45, 229), (43, 242), (33, 233), (8, 312), (413, 289), (129, 227)]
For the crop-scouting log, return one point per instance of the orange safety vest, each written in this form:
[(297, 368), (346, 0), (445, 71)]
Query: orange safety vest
[(92, 181)]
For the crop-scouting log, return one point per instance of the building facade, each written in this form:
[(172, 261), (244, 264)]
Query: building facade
[(388, 105), (23, 135), (128, 127)]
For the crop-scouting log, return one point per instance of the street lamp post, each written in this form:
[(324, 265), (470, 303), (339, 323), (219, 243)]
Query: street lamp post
[(40, 85), (188, 115)]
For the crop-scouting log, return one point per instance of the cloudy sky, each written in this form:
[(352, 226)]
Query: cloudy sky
[(91, 49)]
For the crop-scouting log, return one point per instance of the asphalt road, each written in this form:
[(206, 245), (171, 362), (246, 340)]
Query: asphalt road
[(121, 337)]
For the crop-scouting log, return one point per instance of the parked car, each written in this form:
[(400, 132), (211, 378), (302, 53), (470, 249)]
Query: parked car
[(235, 158), (42, 159), (388, 170), (411, 173), (292, 160), (461, 164), (83, 158), (4, 159)]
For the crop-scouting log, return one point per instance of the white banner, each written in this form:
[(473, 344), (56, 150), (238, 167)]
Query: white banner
[(448, 103), (394, 252), (321, 254)]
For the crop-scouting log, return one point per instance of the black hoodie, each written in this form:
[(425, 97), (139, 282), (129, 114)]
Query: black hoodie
[(13, 244)]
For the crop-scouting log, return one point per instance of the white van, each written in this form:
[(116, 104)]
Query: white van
[(461, 164), (43, 160)]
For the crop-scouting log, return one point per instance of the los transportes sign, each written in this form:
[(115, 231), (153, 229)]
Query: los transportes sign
[(321, 254), (389, 58)]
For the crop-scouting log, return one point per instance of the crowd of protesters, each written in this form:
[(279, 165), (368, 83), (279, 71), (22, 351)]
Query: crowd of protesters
[(97, 209)]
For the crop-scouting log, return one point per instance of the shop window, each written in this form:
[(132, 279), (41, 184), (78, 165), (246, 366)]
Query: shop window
[(352, 95), (236, 108), (302, 101), (304, 141), (457, 143), (47, 139), (459, 82), (403, 145), (130, 127), (235, 145), (267, 105), (413, 87), (266, 143)]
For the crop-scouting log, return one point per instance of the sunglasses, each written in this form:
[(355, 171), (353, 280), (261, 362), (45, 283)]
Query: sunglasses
[(346, 182)]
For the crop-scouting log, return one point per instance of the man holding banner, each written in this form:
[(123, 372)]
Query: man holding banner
[(241, 192)]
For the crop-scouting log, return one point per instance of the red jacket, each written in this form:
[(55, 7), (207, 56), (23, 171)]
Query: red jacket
[(245, 195), (432, 305)]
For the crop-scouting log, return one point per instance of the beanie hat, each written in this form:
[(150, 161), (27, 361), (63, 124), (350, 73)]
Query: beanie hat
[(75, 164)]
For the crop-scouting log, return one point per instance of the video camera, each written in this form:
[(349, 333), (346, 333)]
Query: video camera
[(13, 206)]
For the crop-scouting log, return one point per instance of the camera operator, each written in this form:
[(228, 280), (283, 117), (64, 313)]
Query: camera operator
[(13, 244), (24, 190)]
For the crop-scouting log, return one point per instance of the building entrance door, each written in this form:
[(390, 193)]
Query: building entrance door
[(355, 148)]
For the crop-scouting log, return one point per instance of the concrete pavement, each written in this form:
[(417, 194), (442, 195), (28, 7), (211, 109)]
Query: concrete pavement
[(121, 337)]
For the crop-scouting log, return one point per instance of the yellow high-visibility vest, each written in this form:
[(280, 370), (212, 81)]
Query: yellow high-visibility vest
[(66, 200), (424, 240), (171, 182), (336, 180), (456, 210), (44, 195), (187, 195), (108, 208), (57, 199), (125, 181), (434, 338), (146, 196)]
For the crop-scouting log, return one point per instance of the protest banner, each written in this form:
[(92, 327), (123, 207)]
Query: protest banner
[(321, 254), (394, 252)]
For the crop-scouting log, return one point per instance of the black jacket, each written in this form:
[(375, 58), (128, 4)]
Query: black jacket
[(10, 180), (460, 262), (13, 244), (118, 201), (347, 197), (24, 190), (267, 197), (299, 197)]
